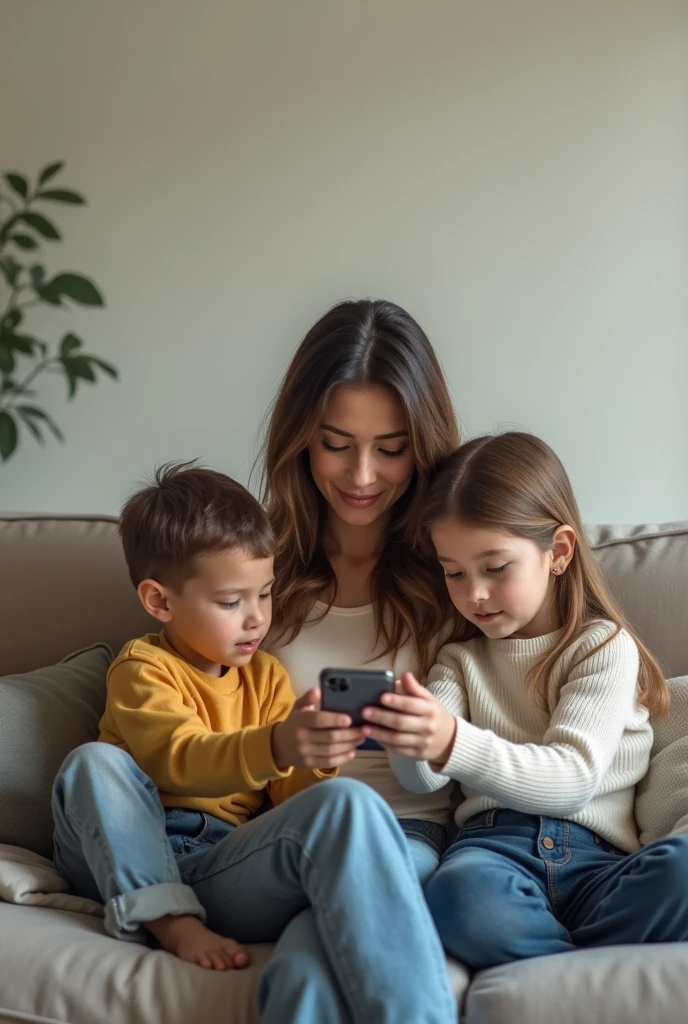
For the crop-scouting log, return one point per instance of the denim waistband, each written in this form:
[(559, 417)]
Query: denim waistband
[(195, 826), (500, 818)]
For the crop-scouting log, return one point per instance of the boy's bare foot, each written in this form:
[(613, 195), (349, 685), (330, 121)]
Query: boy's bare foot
[(189, 939)]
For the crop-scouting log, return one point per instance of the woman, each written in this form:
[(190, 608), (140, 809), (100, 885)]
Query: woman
[(362, 417)]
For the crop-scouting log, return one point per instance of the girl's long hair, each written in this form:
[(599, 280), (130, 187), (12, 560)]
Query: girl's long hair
[(515, 483), (363, 343)]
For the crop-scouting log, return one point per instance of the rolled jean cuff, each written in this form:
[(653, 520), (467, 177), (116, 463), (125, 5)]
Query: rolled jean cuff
[(125, 914)]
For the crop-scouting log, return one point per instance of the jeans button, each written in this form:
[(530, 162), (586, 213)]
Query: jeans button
[(548, 843)]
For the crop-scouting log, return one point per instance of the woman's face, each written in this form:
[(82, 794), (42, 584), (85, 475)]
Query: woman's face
[(361, 457)]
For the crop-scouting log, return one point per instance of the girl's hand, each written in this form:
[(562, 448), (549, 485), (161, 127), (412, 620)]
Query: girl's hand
[(422, 728), (310, 738)]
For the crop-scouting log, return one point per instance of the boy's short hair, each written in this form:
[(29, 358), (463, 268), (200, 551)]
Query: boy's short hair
[(189, 510)]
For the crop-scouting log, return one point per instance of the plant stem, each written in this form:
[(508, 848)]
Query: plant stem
[(6, 399)]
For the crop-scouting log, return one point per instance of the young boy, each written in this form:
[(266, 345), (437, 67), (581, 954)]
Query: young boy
[(159, 819)]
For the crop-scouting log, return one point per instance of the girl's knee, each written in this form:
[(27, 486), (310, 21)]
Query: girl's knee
[(670, 858)]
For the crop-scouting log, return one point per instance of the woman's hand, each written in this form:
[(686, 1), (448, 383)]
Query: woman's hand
[(310, 738), (414, 724)]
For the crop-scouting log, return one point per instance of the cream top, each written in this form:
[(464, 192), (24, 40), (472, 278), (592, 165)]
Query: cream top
[(345, 638)]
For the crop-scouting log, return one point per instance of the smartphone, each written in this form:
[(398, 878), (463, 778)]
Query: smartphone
[(348, 690)]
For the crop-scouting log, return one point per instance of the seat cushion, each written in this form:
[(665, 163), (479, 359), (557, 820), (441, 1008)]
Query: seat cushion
[(43, 715), (613, 985), (71, 971)]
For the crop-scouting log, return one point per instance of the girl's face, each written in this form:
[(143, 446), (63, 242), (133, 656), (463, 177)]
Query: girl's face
[(501, 583), (361, 458)]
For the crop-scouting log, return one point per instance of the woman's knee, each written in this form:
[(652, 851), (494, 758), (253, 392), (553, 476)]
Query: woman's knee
[(342, 793)]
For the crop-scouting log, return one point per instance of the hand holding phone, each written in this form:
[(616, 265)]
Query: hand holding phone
[(350, 690), (413, 723), (314, 738)]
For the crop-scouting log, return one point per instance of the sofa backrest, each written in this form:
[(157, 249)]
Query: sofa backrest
[(64, 585)]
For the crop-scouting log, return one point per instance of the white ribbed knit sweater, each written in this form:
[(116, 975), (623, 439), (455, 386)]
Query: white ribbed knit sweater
[(581, 759)]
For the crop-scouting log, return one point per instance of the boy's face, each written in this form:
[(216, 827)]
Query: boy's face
[(220, 615)]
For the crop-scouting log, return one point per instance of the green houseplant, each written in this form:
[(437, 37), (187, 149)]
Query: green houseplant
[(24, 284)]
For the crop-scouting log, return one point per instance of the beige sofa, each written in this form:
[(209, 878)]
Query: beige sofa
[(64, 586)]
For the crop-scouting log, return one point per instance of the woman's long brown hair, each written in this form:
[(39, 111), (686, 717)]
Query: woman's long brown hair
[(364, 343), (515, 483)]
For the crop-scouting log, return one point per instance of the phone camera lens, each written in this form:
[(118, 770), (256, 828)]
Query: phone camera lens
[(338, 684)]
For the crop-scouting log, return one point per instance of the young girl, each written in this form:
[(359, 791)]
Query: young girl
[(540, 710)]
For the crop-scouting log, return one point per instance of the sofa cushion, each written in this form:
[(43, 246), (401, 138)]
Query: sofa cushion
[(29, 879), (57, 966), (646, 568), (64, 585), (661, 804), (72, 972), (611, 985), (44, 714)]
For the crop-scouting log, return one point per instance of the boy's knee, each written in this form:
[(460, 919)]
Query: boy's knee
[(101, 761), (88, 754)]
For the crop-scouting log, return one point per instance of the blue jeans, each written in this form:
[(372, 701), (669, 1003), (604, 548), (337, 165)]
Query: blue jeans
[(427, 842), (516, 885), (327, 875)]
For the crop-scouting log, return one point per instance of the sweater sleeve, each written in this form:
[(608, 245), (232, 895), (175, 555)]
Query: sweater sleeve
[(445, 681), (561, 775), (173, 746)]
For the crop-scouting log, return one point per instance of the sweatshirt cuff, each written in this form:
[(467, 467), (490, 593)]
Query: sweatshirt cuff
[(258, 764)]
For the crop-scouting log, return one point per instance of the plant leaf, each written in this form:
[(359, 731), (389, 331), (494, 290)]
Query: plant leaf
[(50, 171), (81, 366), (76, 368), (42, 225), (18, 184), (11, 320), (6, 359), (72, 286), (45, 293), (20, 343), (8, 435), (24, 241), (105, 367), (70, 343), (37, 274), (32, 412), (62, 195), (11, 269)]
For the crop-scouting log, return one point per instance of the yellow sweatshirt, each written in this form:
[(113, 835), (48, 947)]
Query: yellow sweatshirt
[(206, 742)]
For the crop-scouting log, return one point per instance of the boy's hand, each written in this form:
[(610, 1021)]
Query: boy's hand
[(416, 725), (310, 738)]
